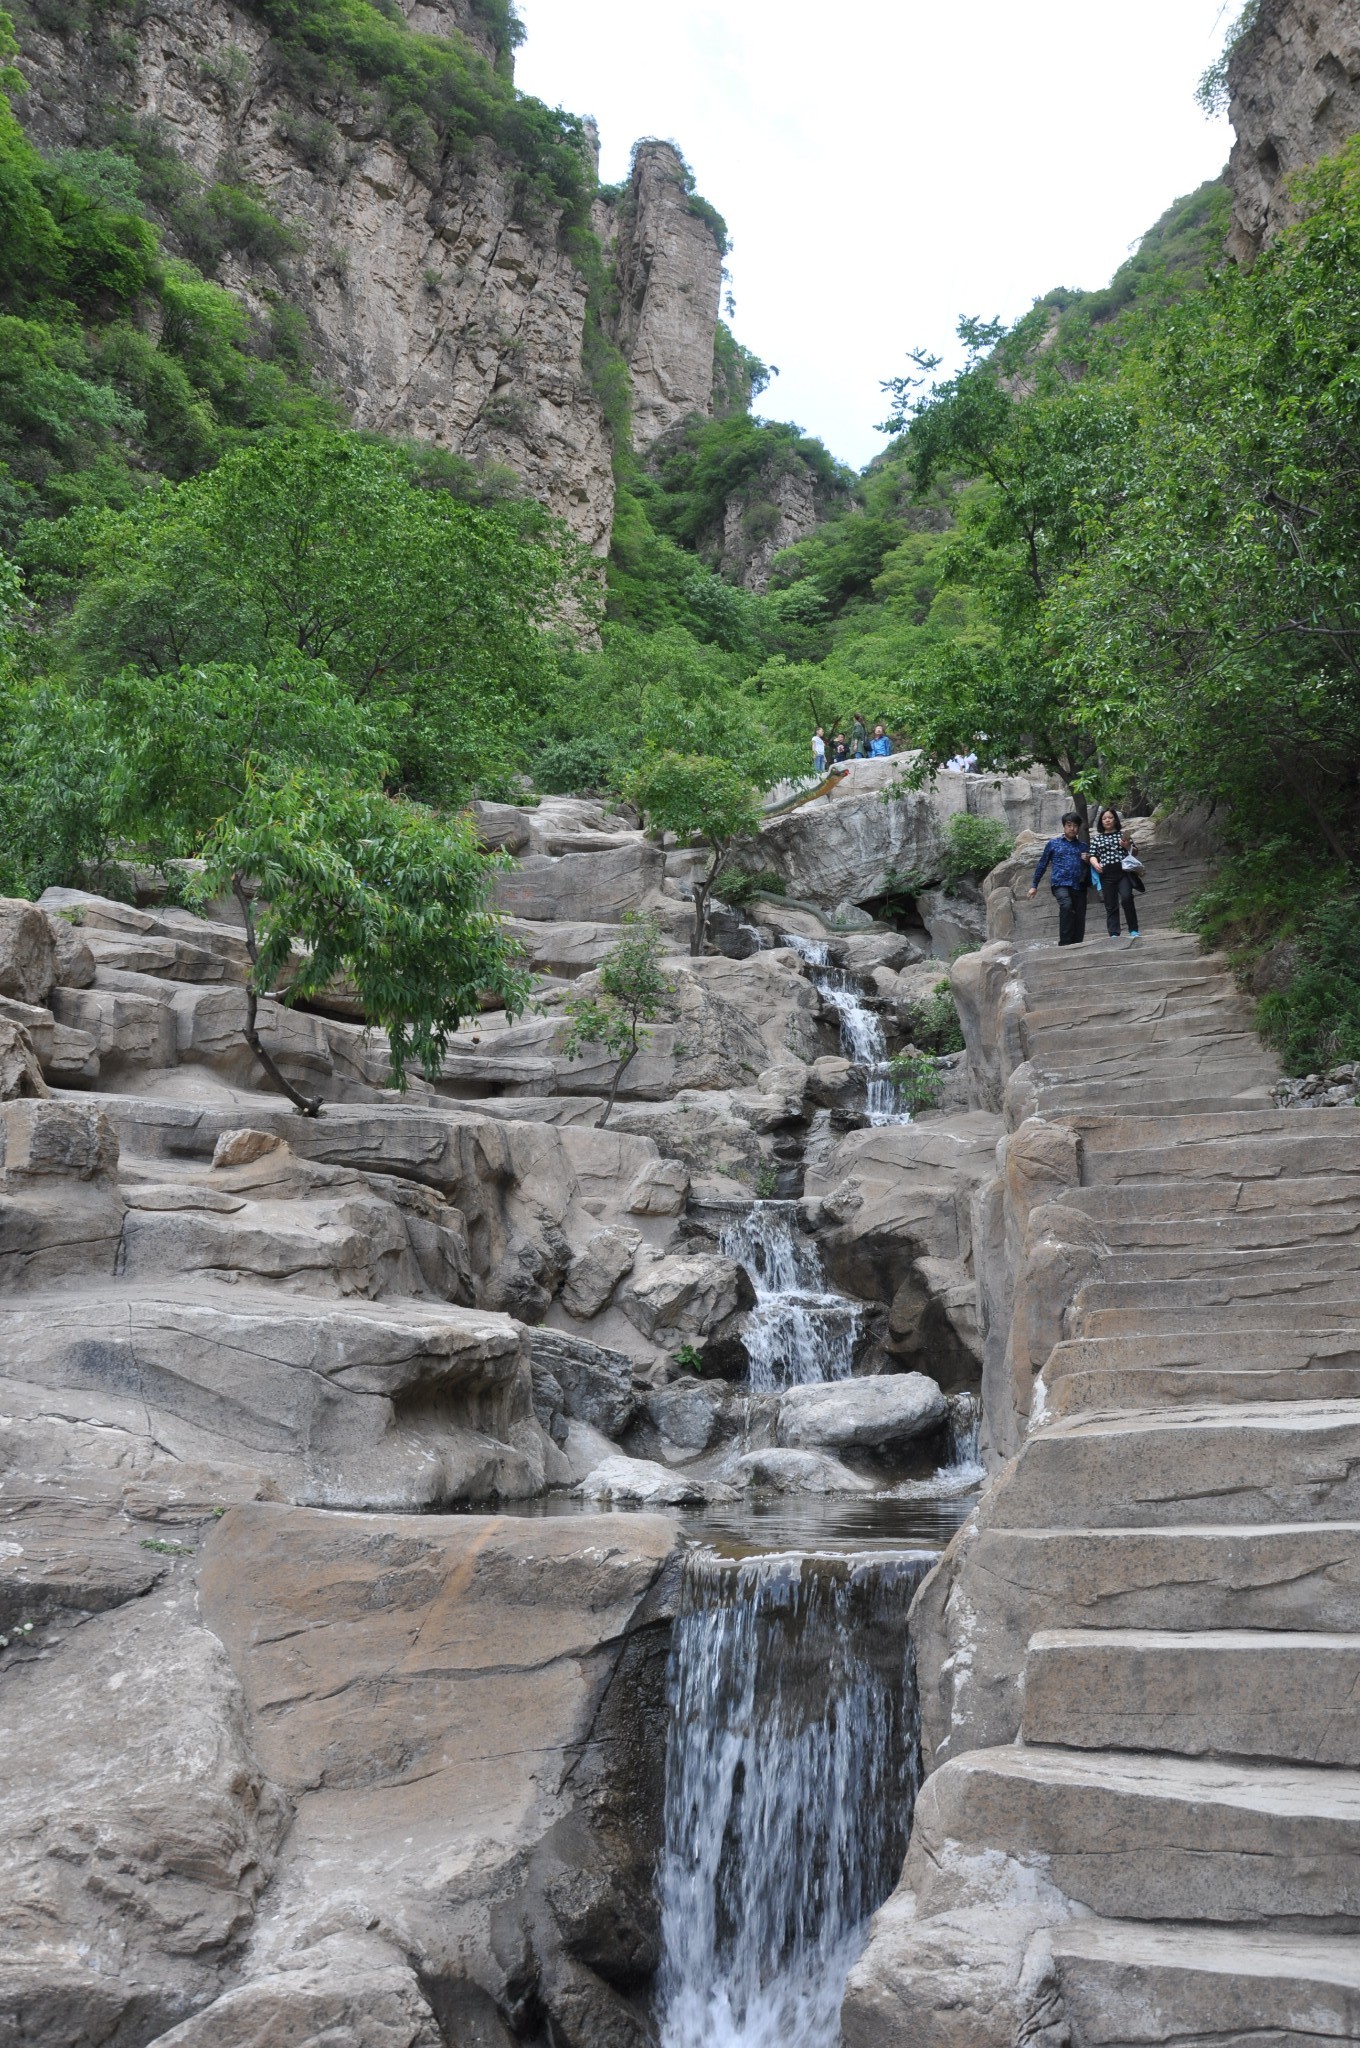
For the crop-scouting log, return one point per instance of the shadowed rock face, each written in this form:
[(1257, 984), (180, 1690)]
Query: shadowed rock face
[(1295, 96)]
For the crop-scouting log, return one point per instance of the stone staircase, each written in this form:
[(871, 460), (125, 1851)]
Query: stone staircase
[(1140, 1663)]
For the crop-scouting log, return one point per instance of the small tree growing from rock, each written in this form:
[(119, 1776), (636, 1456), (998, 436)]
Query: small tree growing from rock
[(631, 991), (697, 796), (385, 893)]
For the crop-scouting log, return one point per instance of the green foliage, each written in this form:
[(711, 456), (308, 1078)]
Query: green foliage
[(91, 406), (739, 377), (629, 995), (973, 847), (688, 1359), (704, 463), (384, 893), (933, 1025), (1212, 91), (696, 796), (737, 885), (1314, 1021), (427, 611), (429, 94), (918, 1079)]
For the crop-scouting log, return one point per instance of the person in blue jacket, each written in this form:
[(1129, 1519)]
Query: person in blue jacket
[(1069, 861)]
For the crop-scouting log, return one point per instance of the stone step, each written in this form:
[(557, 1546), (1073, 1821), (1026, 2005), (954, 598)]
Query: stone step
[(1184, 1575), (1246, 1465), (1056, 1100), (1216, 1260), (1146, 1837), (1325, 1301), (1179, 1368), (1137, 1984), (1178, 1037), (1282, 1697), (1208, 1003), (1233, 1233), (1170, 1204)]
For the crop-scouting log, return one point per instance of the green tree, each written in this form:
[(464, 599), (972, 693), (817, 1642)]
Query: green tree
[(430, 612), (385, 893), (631, 991), (698, 797)]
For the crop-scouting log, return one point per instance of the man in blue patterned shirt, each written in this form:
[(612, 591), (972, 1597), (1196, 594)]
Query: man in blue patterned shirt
[(1071, 879)]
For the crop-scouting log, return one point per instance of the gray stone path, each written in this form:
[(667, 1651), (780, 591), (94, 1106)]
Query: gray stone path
[(1140, 1663)]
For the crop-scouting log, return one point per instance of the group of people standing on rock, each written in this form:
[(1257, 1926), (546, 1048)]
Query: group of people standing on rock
[(1106, 860), (858, 747)]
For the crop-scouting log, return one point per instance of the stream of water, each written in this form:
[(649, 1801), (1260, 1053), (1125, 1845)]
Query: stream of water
[(798, 1330), (791, 1769), (862, 1041)]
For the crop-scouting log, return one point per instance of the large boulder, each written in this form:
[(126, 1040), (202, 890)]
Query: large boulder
[(28, 951), (581, 887), (467, 1712), (860, 1415), (683, 1300), (20, 1073)]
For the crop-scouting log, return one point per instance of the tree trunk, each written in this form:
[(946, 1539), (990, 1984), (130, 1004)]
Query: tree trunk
[(620, 1070), (703, 889), (308, 1105)]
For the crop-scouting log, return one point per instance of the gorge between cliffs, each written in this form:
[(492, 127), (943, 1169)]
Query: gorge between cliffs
[(633, 1412)]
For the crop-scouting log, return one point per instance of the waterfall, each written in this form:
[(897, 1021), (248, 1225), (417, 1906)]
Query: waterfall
[(965, 1438), (797, 1331), (861, 1032), (791, 1767)]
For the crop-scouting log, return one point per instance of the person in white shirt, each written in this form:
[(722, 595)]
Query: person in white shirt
[(819, 752)]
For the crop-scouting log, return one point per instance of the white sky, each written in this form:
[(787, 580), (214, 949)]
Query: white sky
[(888, 165)]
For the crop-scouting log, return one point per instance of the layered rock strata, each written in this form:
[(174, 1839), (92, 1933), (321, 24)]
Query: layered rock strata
[(442, 299), (1135, 1826), (1294, 84)]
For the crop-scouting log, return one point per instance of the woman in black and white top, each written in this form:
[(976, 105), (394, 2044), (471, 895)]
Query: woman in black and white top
[(1108, 849)]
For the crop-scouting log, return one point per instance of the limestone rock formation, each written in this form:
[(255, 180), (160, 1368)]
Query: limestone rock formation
[(667, 254), (1294, 83), (441, 300)]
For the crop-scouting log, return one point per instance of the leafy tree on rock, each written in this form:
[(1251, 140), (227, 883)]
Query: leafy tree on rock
[(632, 989), (698, 797), (428, 611), (381, 892)]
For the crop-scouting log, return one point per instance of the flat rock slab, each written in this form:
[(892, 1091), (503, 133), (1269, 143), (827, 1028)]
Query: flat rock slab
[(338, 1403), (63, 1555)]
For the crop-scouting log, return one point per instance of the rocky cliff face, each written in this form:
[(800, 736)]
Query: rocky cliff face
[(440, 298), (667, 258), (1294, 81)]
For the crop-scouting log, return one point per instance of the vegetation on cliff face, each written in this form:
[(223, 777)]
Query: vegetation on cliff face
[(1122, 539)]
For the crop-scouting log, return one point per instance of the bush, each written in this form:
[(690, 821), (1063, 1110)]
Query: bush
[(1314, 1021), (973, 847), (738, 889), (934, 1024), (918, 1079)]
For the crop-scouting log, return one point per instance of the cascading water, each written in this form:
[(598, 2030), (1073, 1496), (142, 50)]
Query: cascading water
[(798, 1331), (861, 1033), (791, 1767)]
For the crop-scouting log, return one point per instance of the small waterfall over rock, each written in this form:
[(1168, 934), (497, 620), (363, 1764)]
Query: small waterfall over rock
[(797, 1332), (791, 1768), (862, 1040)]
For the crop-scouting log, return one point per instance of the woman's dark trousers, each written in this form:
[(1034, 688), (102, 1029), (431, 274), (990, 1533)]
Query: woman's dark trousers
[(1114, 894), (1071, 916)]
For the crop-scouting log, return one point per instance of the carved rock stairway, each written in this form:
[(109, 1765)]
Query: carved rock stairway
[(1140, 1662)]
